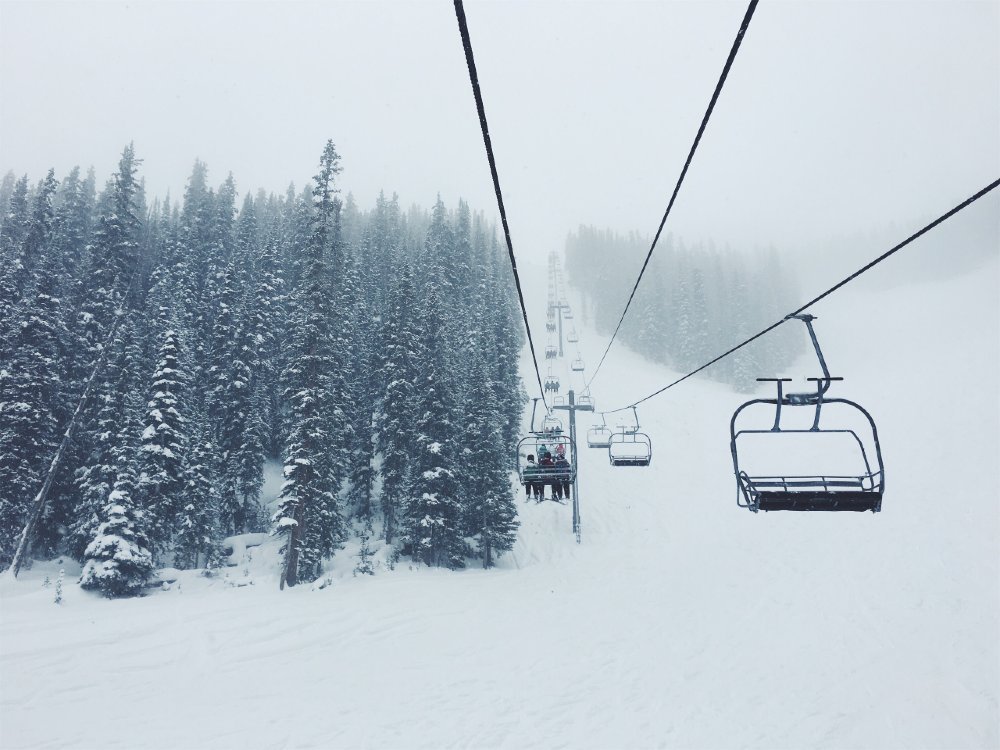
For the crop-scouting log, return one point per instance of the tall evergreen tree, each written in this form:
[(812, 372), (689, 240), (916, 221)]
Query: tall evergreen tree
[(119, 560), (161, 482), (433, 512), (398, 412), (309, 516), (489, 512)]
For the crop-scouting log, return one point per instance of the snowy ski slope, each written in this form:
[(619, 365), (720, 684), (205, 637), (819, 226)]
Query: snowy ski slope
[(680, 621)]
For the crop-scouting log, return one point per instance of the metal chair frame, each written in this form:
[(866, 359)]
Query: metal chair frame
[(640, 443), (858, 492)]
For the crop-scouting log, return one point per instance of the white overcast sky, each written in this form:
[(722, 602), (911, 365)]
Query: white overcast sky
[(838, 117)]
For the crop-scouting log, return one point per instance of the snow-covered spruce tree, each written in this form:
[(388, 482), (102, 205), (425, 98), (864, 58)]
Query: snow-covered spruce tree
[(6, 191), (309, 517), (265, 315), (39, 235), (360, 388), (398, 412), (197, 521), (114, 252), (433, 532), (29, 392), (95, 475), (162, 480), (119, 560), (16, 220), (488, 510), (73, 220), (232, 402), (33, 380)]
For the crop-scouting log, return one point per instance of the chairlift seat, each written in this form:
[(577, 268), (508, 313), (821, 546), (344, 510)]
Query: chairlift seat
[(855, 500), (630, 461), (814, 493)]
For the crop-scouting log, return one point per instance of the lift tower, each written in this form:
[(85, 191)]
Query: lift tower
[(559, 306), (573, 407)]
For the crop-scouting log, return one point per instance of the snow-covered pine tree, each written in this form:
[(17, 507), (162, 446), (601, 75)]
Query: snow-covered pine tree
[(119, 560), (16, 221), (95, 476), (489, 513), (398, 411), (114, 252), (73, 220), (161, 484), (309, 517), (265, 316), (29, 394), (198, 518), (433, 530), (360, 387)]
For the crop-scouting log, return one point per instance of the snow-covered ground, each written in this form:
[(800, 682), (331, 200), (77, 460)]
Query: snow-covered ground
[(680, 621)]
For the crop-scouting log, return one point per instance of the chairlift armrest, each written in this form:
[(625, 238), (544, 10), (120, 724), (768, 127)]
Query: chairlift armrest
[(821, 380), (774, 380)]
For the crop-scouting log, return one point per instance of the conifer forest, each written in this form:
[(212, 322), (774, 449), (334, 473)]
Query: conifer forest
[(372, 351), (713, 297)]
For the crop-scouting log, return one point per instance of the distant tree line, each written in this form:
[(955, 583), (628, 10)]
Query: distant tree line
[(694, 302), (373, 352)]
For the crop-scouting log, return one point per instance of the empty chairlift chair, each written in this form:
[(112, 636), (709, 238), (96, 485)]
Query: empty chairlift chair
[(572, 338), (834, 464), (599, 435), (577, 365), (627, 446), (630, 449)]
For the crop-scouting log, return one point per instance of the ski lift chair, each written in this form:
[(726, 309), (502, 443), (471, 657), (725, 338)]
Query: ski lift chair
[(572, 338), (577, 365), (599, 436), (551, 383), (832, 418), (585, 399), (550, 326), (630, 448), (551, 352), (537, 445), (551, 426)]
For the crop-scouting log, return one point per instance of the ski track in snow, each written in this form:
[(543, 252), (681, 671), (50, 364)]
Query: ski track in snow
[(680, 621)]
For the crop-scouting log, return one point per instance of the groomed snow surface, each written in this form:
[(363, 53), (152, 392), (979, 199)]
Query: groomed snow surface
[(680, 621)]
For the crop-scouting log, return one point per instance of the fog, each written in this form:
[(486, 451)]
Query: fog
[(837, 118)]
